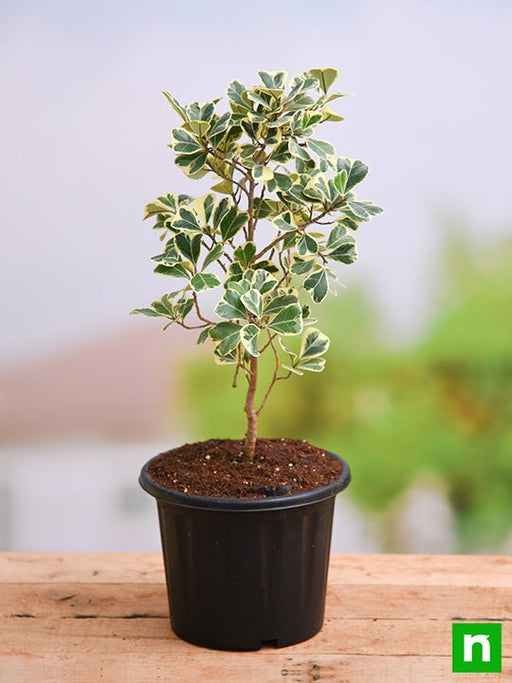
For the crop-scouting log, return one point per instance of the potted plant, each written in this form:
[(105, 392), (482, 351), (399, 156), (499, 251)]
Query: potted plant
[(246, 524)]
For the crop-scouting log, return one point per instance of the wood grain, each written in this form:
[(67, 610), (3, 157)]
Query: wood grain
[(104, 617)]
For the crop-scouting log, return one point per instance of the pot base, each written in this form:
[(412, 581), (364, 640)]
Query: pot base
[(237, 580)]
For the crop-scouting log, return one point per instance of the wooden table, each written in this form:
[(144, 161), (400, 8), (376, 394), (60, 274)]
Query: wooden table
[(91, 617)]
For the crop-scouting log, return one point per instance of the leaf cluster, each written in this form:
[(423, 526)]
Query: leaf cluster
[(272, 176)]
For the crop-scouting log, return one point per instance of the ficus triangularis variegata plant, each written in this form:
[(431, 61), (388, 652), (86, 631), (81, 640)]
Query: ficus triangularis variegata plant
[(281, 211)]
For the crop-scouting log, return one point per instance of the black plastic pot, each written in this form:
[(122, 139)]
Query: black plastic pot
[(244, 572)]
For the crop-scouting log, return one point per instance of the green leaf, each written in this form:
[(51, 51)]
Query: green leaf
[(268, 208), (184, 307), (338, 237), (322, 149), (165, 204), (176, 105), (232, 222), (281, 154), (200, 111), (203, 207), (275, 80), (253, 302), (312, 365), (184, 142), (230, 307), (298, 151), (235, 273), (220, 126), (293, 369), (189, 246), (318, 285), (229, 359), (177, 270), (330, 115), (204, 281), (245, 253), (334, 96), (345, 253), (356, 171), (263, 281), (196, 127), (283, 181), (203, 336), (258, 97), (149, 312), (192, 164), (250, 128), (227, 336), (302, 266), (288, 320), (310, 120), (325, 77), (164, 306), (314, 343), (213, 255), (224, 187), (307, 245), (285, 221), (267, 265), (277, 303), (235, 93), (300, 84), (313, 190), (220, 211), (340, 181), (289, 240), (260, 172), (240, 287), (364, 209), (249, 337)]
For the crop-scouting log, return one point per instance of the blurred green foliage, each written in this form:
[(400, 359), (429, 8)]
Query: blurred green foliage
[(444, 406)]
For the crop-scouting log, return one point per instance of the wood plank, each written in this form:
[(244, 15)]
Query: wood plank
[(423, 570), (378, 637), (343, 602), (224, 667), (434, 570), (387, 617), (87, 567)]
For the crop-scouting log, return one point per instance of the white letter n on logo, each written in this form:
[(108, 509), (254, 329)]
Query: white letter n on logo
[(469, 641)]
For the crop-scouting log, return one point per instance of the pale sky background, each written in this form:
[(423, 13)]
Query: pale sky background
[(84, 132)]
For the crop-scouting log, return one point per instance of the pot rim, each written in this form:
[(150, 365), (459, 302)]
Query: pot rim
[(170, 496)]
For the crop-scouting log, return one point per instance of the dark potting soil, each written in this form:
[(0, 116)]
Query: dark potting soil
[(216, 468)]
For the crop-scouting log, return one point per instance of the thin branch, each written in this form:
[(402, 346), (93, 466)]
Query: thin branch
[(286, 272), (237, 369), (257, 213), (271, 338), (196, 304), (250, 206), (288, 232), (214, 243), (274, 376), (225, 177), (189, 327)]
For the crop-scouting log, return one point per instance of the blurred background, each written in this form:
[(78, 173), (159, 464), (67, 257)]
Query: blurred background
[(417, 391)]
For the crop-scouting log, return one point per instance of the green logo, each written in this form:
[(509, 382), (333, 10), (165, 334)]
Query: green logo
[(476, 648)]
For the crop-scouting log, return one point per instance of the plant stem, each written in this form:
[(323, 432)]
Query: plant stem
[(274, 377), (250, 411), (283, 235)]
